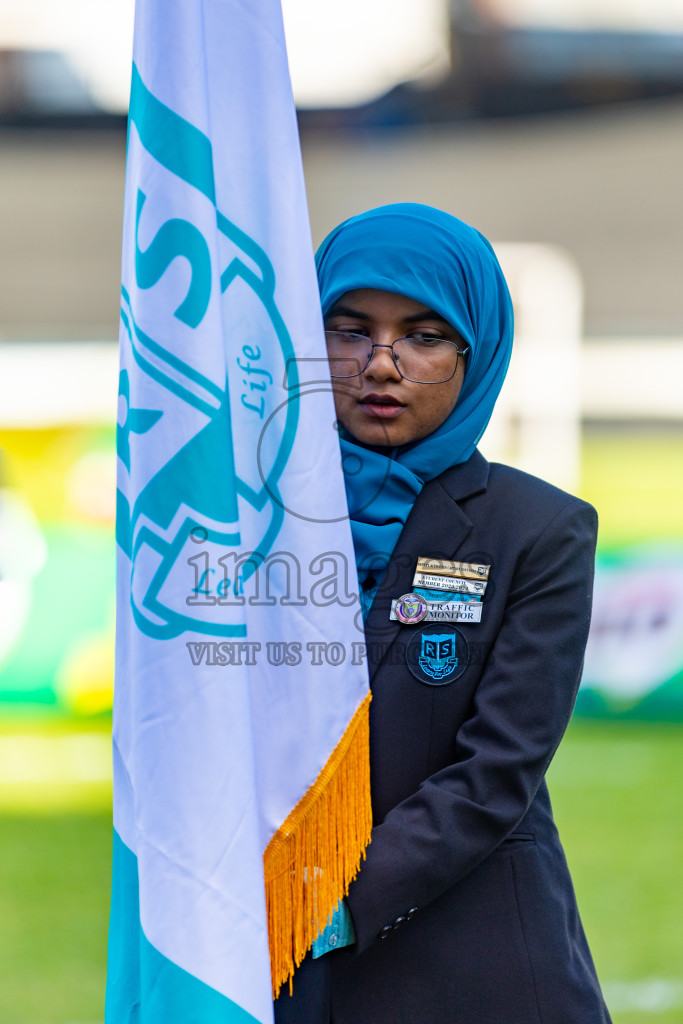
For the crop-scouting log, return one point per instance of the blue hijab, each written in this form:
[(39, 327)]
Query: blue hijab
[(433, 258)]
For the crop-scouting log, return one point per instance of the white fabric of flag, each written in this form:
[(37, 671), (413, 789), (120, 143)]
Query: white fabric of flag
[(240, 672)]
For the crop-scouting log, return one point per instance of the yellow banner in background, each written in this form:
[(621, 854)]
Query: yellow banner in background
[(57, 488)]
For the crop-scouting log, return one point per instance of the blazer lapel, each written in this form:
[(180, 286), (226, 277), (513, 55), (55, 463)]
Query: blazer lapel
[(436, 527)]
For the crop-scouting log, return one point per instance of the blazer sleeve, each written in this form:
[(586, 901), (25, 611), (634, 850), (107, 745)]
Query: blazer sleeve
[(522, 705)]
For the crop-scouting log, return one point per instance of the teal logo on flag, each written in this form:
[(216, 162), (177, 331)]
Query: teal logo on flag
[(198, 374)]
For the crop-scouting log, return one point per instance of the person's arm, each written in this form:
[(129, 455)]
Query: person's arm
[(522, 705)]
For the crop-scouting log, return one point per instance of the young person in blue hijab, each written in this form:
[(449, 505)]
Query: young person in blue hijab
[(463, 911)]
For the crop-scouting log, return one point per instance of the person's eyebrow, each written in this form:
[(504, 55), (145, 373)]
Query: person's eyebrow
[(339, 309), (426, 314)]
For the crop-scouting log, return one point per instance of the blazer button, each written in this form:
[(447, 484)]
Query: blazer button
[(385, 931), (413, 910), (398, 921)]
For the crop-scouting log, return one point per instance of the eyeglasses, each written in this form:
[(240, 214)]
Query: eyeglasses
[(421, 359)]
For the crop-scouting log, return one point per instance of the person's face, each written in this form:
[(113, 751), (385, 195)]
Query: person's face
[(379, 407)]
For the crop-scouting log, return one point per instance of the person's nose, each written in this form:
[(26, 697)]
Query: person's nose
[(382, 365)]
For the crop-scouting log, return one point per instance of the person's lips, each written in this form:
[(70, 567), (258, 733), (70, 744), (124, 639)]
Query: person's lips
[(384, 407)]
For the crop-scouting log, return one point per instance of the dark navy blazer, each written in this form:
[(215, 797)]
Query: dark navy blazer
[(464, 909)]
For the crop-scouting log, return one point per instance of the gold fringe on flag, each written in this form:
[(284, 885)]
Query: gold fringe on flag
[(316, 853)]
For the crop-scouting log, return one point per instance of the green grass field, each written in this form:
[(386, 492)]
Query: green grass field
[(54, 886), (618, 809), (618, 804)]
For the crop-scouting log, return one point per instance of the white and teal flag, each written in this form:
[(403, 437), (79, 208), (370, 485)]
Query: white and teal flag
[(241, 696)]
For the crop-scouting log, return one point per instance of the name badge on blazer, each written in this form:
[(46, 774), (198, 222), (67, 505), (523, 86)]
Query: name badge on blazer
[(456, 584), (442, 567), (412, 609), (443, 591)]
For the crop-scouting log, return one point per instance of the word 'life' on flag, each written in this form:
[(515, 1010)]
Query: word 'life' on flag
[(241, 799)]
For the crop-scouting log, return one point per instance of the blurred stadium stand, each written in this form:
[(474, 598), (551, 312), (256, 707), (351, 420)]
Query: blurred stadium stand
[(43, 89), (603, 185), (501, 69)]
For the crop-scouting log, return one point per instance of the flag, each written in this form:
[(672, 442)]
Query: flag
[(241, 787)]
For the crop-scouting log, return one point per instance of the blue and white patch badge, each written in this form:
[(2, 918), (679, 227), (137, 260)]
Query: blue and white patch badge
[(437, 655)]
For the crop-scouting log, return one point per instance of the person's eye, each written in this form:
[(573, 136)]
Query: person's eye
[(426, 340), (351, 332)]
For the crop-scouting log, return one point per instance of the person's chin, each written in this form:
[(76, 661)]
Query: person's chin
[(378, 435)]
